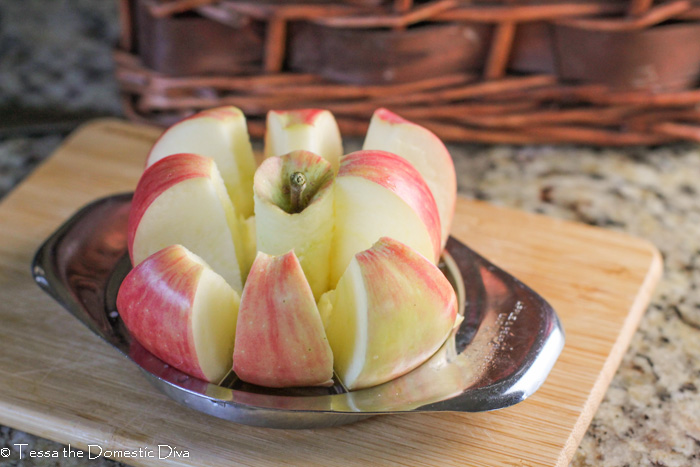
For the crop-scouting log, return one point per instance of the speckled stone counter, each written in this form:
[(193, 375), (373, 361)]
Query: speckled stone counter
[(57, 53)]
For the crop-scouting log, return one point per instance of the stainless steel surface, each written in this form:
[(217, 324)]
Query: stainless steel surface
[(499, 355)]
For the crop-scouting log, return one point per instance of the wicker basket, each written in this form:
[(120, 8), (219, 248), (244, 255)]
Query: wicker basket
[(588, 71)]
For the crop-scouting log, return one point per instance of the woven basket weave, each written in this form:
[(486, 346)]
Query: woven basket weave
[(588, 71)]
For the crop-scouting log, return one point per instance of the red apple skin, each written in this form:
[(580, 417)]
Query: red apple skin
[(159, 177), (387, 255), (389, 116), (220, 113), (440, 160), (305, 116), (410, 311), (280, 341), (165, 330), (399, 176), (148, 361)]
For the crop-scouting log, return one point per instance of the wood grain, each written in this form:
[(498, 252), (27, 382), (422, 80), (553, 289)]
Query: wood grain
[(59, 381)]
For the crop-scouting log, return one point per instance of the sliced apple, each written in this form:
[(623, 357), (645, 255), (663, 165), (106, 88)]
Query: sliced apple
[(182, 312), (280, 341), (437, 379), (380, 194), (221, 134), (418, 145), (312, 130), (182, 200), (391, 311), (303, 224)]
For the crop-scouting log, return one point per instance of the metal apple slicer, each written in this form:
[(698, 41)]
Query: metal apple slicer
[(500, 353)]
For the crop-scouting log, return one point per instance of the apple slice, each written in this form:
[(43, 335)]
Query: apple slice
[(280, 341), (380, 194), (182, 200), (303, 224), (182, 312), (221, 134), (391, 311), (313, 130), (418, 145), (435, 380)]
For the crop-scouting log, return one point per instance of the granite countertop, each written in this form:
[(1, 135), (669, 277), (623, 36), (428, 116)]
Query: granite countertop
[(58, 55)]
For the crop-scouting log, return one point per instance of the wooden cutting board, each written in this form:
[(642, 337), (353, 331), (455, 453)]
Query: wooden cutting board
[(59, 381)]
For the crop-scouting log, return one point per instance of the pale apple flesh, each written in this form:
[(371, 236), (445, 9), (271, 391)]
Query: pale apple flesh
[(379, 194), (422, 148), (280, 341), (182, 312), (181, 199), (391, 311), (221, 134), (312, 130), (306, 228)]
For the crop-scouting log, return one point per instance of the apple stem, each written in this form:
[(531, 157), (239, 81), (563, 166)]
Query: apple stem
[(297, 183)]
